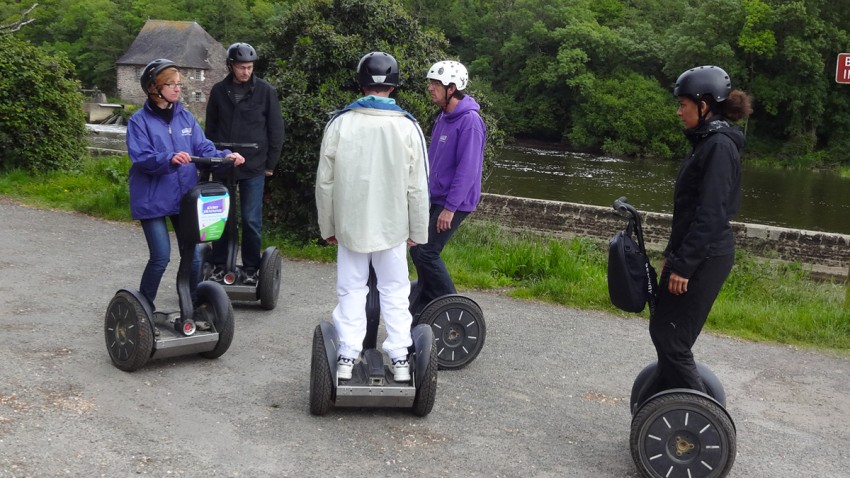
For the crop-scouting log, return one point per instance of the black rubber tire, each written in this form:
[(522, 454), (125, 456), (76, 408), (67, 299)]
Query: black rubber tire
[(128, 332), (321, 381), (213, 298), (459, 330), (682, 435), (423, 403), (268, 287)]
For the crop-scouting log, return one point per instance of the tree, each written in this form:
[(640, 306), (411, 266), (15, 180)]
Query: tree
[(314, 50), (42, 124), (16, 25), (627, 115)]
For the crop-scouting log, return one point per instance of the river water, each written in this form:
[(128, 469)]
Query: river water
[(812, 200)]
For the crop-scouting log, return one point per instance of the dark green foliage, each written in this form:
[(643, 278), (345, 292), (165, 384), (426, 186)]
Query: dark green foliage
[(539, 62), (315, 50), (627, 115), (42, 124), (540, 55)]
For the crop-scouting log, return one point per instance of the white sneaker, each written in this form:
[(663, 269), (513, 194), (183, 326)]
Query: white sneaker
[(344, 367), (401, 370)]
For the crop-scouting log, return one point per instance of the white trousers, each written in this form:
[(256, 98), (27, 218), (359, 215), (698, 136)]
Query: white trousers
[(349, 316)]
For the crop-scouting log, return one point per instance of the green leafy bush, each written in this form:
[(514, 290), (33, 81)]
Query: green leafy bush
[(315, 49), (627, 115), (42, 124)]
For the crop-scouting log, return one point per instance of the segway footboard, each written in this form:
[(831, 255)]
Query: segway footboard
[(372, 383)]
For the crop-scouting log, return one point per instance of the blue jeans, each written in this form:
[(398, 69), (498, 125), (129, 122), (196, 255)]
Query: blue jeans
[(159, 245), (434, 280), (251, 211)]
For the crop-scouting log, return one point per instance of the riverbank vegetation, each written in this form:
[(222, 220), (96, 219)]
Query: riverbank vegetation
[(590, 75), (763, 301), (593, 74)]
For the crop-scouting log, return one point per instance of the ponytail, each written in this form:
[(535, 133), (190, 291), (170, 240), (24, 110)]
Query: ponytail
[(737, 106)]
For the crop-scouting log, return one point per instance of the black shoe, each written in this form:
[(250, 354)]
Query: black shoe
[(217, 274), (250, 278)]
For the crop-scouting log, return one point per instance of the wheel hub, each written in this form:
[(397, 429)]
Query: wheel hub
[(121, 334), (683, 445), (454, 335)]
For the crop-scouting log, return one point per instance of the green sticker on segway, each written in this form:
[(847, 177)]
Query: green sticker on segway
[(212, 216)]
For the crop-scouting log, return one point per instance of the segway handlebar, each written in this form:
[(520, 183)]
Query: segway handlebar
[(209, 161), (238, 145), (624, 209)]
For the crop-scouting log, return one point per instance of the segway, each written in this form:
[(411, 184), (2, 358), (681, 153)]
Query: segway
[(457, 322), (676, 432), (372, 383), (267, 288), (135, 333)]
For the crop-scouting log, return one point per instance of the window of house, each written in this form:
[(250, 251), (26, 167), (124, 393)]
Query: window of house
[(199, 97)]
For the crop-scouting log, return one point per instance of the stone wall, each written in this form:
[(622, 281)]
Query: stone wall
[(824, 253)]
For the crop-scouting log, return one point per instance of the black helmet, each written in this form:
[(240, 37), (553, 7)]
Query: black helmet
[(239, 52), (377, 68), (152, 70), (704, 80)]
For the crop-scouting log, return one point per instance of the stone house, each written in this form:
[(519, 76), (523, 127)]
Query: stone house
[(200, 58)]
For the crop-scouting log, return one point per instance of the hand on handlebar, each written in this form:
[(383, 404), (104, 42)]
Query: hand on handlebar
[(181, 157), (237, 158)]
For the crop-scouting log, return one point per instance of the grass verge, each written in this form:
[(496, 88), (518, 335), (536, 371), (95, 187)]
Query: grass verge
[(762, 301)]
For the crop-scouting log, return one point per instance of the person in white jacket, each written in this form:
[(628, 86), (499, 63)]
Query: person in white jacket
[(372, 200)]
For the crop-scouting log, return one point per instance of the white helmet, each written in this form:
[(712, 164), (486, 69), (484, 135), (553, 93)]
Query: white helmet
[(448, 72)]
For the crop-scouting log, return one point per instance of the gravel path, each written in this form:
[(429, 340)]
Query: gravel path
[(547, 397)]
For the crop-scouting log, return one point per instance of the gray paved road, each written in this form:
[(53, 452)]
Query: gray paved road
[(547, 396)]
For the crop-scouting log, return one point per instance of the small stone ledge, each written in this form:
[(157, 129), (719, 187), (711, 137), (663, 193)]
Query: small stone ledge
[(825, 253)]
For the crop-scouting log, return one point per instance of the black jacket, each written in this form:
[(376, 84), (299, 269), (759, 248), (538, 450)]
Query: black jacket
[(706, 198), (255, 119)]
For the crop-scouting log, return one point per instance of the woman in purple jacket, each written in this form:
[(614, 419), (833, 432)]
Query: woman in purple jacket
[(456, 157), (161, 139)]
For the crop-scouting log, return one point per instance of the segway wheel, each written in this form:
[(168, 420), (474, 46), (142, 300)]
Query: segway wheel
[(129, 332), (423, 403), (459, 330), (269, 283), (682, 435), (213, 301), (321, 381)]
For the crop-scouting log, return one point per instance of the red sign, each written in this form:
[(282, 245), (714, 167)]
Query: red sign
[(842, 68)]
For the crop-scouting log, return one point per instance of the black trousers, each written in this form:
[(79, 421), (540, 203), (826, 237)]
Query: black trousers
[(678, 321)]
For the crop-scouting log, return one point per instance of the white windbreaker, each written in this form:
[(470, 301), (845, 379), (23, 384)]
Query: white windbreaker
[(372, 180)]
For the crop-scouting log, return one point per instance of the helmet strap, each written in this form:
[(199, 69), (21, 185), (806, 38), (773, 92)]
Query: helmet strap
[(703, 115), (158, 95), (448, 97)]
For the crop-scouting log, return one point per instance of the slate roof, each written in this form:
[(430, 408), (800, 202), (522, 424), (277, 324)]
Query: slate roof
[(184, 43)]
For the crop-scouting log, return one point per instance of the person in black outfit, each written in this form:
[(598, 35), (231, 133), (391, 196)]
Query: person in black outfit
[(245, 109), (701, 249)]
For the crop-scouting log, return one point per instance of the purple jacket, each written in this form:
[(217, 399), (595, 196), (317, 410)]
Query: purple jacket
[(456, 155), (157, 185)]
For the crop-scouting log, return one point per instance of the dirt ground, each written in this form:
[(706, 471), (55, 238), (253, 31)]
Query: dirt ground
[(547, 397)]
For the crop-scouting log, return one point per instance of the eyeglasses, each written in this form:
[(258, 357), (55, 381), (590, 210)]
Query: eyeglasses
[(173, 86)]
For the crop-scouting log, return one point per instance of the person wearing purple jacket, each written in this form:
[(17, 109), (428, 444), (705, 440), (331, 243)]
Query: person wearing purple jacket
[(456, 157), (162, 137)]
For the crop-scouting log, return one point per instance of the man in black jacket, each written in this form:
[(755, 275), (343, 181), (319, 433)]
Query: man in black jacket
[(244, 109)]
